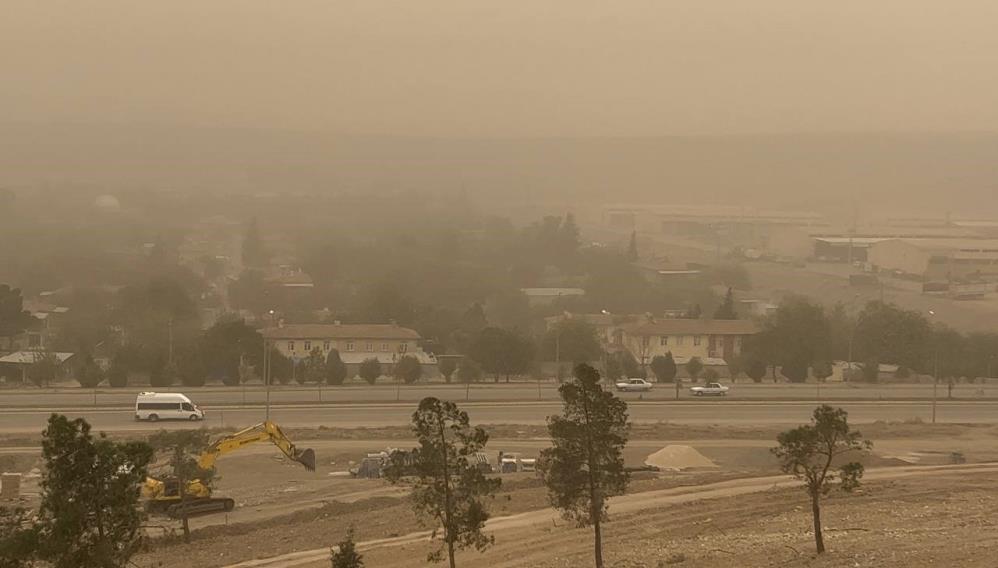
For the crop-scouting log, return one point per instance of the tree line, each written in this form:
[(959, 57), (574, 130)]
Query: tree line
[(803, 336)]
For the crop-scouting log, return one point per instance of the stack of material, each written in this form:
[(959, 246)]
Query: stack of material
[(10, 486), (678, 458)]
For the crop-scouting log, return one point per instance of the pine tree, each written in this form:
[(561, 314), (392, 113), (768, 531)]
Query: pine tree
[(448, 486), (726, 311), (370, 370), (408, 369), (632, 248), (89, 515), (585, 465), (336, 369), (694, 366), (664, 367)]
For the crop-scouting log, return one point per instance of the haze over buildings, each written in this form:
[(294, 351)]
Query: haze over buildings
[(253, 95)]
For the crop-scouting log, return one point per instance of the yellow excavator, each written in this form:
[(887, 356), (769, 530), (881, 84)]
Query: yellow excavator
[(163, 495)]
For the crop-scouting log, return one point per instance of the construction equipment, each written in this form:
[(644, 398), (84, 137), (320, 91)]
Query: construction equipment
[(163, 495)]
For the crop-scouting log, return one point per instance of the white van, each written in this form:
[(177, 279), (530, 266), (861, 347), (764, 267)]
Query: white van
[(153, 406)]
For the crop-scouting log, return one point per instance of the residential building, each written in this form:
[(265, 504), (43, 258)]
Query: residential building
[(14, 366), (645, 336), (355, 343), (713, 341)]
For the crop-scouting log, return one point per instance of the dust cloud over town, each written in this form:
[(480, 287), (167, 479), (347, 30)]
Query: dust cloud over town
[(632, 284)]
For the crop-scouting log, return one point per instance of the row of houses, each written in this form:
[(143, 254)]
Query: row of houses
[(712, 341)]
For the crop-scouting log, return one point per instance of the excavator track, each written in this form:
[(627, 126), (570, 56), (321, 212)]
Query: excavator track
[(196, 507)]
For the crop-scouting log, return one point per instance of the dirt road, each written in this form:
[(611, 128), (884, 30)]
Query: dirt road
[(621, 506)]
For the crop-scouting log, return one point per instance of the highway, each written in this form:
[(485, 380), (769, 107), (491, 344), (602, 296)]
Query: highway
[(354, 415), (76, 397)]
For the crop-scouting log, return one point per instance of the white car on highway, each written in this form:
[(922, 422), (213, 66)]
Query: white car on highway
[(633, 385), (710, 389)]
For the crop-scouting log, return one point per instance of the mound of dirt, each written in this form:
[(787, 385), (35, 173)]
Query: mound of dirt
[(678, 458)]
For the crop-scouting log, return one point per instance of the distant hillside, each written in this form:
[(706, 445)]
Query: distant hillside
[(907, 173)]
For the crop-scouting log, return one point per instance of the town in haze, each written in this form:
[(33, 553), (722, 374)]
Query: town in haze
[(461, 284)]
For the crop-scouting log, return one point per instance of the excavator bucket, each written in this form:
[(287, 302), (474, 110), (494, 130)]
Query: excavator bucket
[(306, 457)]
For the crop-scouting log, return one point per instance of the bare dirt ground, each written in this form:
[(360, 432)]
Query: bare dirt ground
[(283, 509), (943, 519)]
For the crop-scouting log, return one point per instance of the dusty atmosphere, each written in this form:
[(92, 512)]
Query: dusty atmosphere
[(634, 284)]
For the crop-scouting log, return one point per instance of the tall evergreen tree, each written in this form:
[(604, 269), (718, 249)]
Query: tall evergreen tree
[(584, 466), (89, 515), (408, 369), (449, 487), (726, 311), (632, 247), (336, 369), (315, 367), (664, 367), (370, 370), (13, 317)]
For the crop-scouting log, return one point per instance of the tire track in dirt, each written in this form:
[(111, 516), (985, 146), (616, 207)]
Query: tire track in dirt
[(625, 504)]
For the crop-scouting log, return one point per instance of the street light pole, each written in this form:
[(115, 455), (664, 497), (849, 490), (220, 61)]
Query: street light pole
[(935, 385), (266, 376), (266, 369), (557, 355), (935, 373)]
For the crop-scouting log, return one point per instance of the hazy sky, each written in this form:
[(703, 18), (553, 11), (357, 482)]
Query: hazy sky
[(505, 68)]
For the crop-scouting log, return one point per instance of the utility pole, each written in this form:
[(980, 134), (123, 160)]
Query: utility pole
[(266, 376), (397, 386), (169, 326), (935, 373), (935, 385), (557, 354)]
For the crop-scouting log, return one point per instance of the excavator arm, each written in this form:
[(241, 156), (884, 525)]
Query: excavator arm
[(263, 432)]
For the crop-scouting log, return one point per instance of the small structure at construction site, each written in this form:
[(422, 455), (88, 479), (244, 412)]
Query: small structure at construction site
[(514, 462), (678, 458), (373, 465)]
